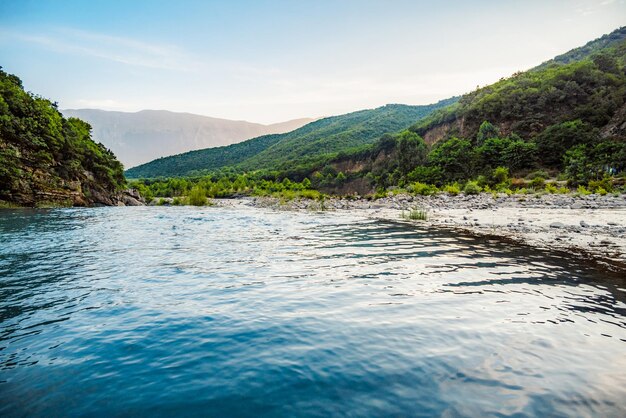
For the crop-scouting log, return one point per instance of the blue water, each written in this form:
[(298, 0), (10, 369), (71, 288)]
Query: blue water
[(174, 311)]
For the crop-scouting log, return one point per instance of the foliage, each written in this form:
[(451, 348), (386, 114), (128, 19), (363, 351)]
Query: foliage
[(415, 214), (42, 153), (422, 189), (297, 151), (472, 187), (553, 142), (485, 132), (455, 157), (452, 189), (197, 196), (196, 190)]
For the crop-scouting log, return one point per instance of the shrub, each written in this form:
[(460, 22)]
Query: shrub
[(601, 191), (472, 187), (551, 188), (452, 189), (537, 183), (177, 201), (582, 190), (500, 175), (423, 189), (197, 196), (605, 183), (539, 173)]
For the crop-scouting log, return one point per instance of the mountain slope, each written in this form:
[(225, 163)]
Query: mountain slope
[(142, 136), (567, 117), (309, 143), (47, 159), (585, 83)]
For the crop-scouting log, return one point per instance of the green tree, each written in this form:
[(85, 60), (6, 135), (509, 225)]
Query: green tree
[(486, 131), (555, 140)]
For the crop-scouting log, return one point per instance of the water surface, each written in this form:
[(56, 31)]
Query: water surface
[(179, 311)]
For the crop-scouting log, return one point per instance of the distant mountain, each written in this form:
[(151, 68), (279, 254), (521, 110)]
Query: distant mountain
[(307, 145), (148, 134)]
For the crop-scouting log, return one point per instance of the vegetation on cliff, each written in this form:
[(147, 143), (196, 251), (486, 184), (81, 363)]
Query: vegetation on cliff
[(48, 159)]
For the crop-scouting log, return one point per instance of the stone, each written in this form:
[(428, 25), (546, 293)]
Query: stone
[(557, 225), (584, 224)]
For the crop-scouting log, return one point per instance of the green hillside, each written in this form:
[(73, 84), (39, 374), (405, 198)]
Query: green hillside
[(47, 159), (313, 142), (586, 83), (567, 118), (562, 121)]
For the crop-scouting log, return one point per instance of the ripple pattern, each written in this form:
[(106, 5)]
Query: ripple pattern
[(178, 311)]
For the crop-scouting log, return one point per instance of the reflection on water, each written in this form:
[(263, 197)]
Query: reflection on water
[(219, 312)]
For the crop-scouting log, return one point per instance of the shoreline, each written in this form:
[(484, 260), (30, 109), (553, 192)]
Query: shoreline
[(593, 226)]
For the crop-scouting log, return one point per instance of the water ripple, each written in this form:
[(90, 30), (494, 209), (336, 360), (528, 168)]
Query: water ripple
[(205, 311)]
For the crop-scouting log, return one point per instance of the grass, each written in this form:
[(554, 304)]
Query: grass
[(415, 214), (8, 205)]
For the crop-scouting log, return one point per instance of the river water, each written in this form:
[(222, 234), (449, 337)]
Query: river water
[(179, 311)]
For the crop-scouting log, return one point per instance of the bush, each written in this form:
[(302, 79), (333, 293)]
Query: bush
[(601, 191), (537, 183), (582, 190), (452, 189), (197, 196), (500, 175), (539, 173), (551, 188), (423, 189), (472, 187), (605, 184)]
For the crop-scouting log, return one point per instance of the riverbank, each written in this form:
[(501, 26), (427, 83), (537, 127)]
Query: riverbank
[(592, 226)]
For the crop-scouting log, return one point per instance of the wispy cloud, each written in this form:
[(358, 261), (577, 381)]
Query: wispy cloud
[(113, 48), (589, 7)]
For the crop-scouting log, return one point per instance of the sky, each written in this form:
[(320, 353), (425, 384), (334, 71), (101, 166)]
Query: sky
[(271, 61)]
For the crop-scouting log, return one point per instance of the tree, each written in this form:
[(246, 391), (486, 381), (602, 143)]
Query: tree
[(455, 157), (555, 140), (486, 131)]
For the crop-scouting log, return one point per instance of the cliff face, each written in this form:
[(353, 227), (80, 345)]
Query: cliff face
[(46, 159)]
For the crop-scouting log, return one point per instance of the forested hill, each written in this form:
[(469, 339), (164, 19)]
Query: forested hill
[(592, 47), (47, 159), (313, 142), (585, 84), (565, 119)]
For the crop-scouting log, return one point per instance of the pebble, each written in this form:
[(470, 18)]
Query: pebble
[(557, 225)]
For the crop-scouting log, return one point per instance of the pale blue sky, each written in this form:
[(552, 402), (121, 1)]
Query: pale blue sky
[(268, 61)]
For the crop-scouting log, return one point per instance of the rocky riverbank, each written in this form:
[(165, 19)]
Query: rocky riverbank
[(593, 226)]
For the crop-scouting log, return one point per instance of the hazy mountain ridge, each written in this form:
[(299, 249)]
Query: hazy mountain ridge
[(309, 144), (139, 137)]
